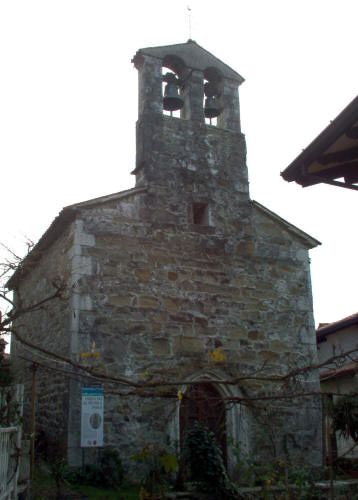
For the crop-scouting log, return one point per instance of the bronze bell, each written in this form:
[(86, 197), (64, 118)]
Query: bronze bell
[(211, 108), (172, 100)]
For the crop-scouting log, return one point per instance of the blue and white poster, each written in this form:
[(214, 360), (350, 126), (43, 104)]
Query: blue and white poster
[(92, 416)]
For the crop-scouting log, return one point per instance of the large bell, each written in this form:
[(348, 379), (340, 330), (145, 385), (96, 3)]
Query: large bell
[(211, 108), (172, 100)]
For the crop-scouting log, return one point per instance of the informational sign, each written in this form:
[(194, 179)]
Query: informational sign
[(92, 416)]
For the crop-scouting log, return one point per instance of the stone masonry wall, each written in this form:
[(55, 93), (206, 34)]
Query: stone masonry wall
[(156, 292), (48, 328), (162, 294)]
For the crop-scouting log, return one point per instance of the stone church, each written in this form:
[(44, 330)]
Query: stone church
[(182, 279)]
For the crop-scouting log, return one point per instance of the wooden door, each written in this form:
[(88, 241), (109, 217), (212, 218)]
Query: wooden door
[(203, 404)]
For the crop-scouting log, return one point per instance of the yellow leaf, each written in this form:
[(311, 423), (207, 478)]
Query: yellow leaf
[(217, 355), (145, 373), (169, 462), (180, 395), (143, 494)]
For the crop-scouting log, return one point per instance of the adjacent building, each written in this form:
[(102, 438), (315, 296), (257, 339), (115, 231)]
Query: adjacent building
[(332, 157), (338, 377)]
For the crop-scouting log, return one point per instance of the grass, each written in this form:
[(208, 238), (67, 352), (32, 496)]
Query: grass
[(44, 488), (125, 493)]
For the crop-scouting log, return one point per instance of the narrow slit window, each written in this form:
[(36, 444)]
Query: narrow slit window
[(201, 214)]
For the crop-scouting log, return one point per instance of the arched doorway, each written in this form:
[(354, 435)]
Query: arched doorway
[(203, 403)]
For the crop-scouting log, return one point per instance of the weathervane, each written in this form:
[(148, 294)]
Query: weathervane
[(189, 20)]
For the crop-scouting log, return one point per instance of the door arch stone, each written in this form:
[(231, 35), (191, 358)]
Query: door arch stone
[(238, 417)]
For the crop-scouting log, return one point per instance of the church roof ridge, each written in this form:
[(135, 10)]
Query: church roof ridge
[(59, 223), (310, 240), (328, 328), (196, 57), (108, 197)]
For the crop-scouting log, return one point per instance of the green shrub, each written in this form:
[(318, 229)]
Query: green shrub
[(111, 468), (203, 458), (109, 473)]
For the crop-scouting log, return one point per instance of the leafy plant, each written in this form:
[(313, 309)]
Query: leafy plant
[(111, 469), (108, 473), (6, 371), (345, 416), (298, 477), (203, 458), (159, 464), (59, 472)]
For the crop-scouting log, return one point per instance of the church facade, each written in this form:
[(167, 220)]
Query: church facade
[(182, 285)]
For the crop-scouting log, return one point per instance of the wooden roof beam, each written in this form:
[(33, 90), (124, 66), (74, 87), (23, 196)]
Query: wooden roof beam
[(352, 133), (339, 156), (315, 179)]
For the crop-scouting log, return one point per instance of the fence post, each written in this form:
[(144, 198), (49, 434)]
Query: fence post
[(330, 455), (33, 400)]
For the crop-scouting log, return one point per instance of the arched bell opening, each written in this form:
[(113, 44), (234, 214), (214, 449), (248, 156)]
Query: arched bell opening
[(173, 70), (202, 403), (212, 93)]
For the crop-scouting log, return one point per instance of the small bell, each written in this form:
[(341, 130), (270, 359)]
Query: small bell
[(172, 100), (211, 108)]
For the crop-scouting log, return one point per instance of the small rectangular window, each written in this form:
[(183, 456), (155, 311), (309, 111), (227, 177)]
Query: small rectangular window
[(201, 214)]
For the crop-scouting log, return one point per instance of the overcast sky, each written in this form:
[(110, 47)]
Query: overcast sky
[(68, 106)]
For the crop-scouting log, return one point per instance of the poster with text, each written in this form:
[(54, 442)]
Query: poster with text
[(92, 416)]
